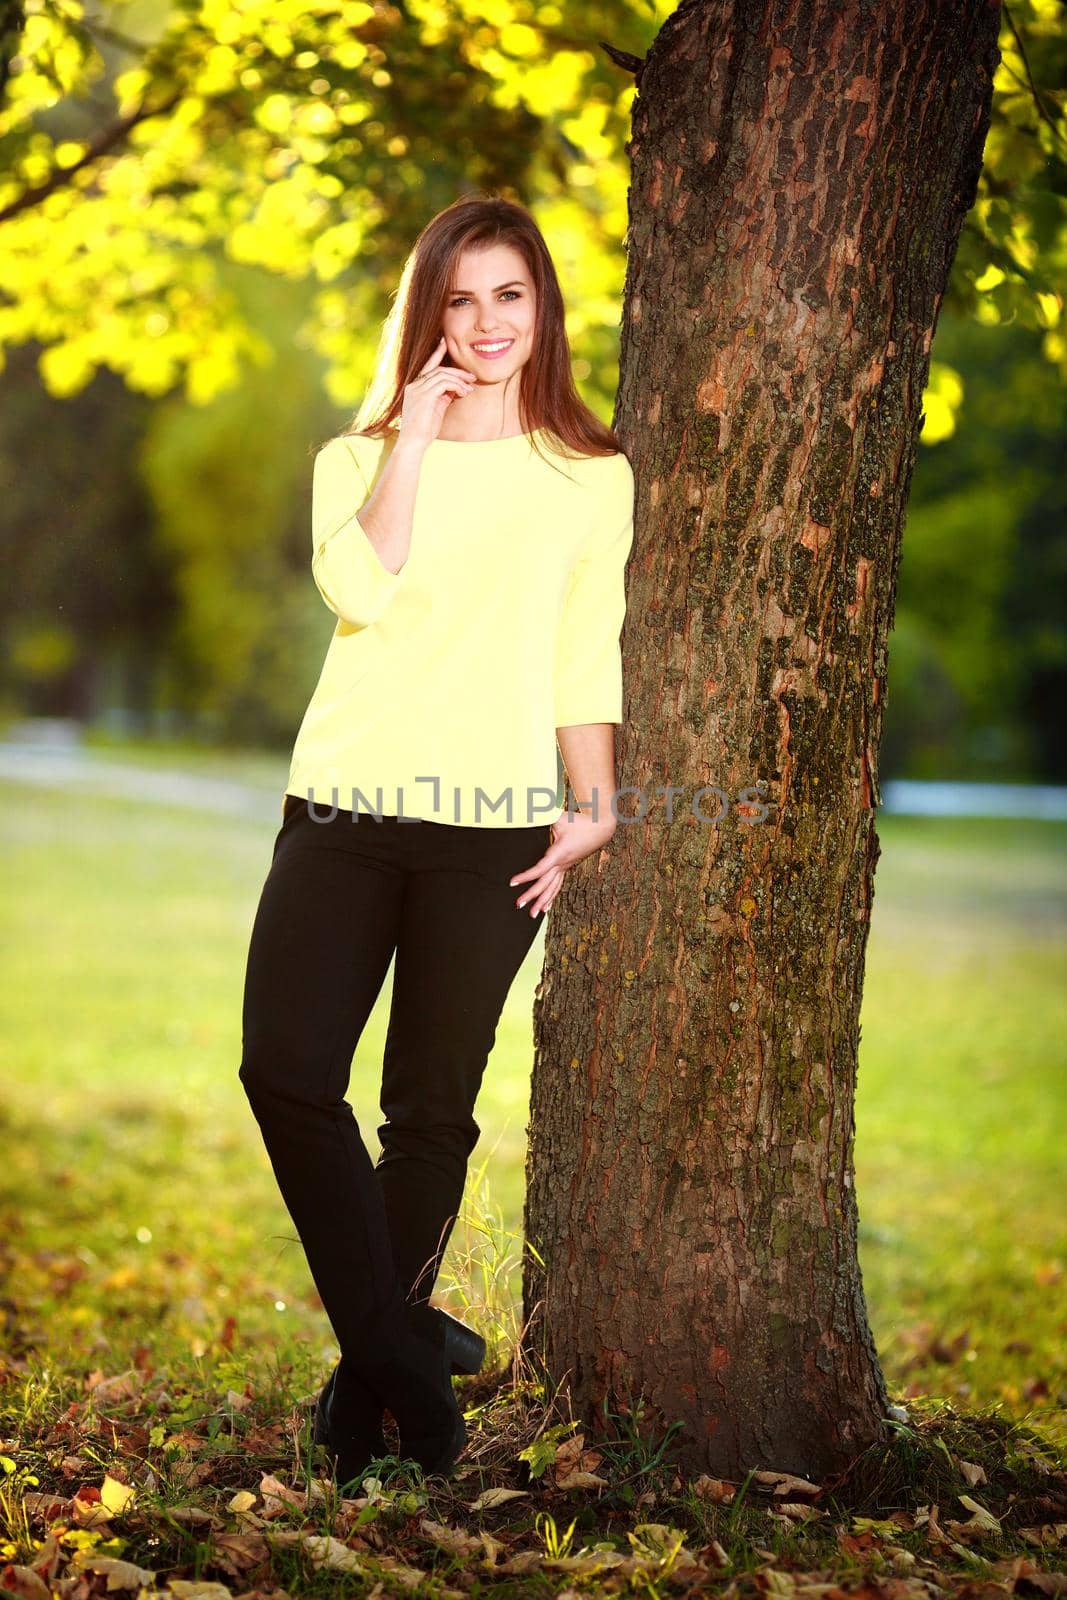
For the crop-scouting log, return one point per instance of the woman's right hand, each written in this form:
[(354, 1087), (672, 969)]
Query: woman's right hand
[(428, 396)]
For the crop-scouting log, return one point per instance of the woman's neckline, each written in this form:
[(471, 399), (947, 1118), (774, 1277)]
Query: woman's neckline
[(506, 438)]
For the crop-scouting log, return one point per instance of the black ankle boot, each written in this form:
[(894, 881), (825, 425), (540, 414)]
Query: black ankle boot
[(413, 1378), (348, 1421), (465, 1347)]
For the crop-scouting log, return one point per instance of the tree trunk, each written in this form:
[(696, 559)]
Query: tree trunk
[(801, 173)]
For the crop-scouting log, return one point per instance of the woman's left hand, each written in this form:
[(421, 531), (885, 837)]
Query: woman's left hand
[(574, 836)]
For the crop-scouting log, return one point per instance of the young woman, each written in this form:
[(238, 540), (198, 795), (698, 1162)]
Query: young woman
[(470, 533)]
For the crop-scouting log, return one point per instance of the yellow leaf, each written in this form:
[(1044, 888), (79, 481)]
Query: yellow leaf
[(114, 1495)]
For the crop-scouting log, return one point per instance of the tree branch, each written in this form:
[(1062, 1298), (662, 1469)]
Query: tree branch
[(623, 59), (1039, 103), (105, 141)]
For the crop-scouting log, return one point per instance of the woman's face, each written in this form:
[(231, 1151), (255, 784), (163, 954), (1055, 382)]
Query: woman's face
[(492, 303)]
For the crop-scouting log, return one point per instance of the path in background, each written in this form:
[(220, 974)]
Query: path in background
[(52, 751)]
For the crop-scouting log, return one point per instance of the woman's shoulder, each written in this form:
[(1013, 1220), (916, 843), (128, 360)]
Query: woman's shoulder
[(611, 474), (361, 444), (612, 467), (347, 450), (616, 462)]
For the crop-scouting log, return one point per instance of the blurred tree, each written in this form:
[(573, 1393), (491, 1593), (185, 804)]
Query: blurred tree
[(157, 162), (978, 656), (157, 553), (1012, 262), (140, 145), (312, 141), (231, 485), (88, 598)]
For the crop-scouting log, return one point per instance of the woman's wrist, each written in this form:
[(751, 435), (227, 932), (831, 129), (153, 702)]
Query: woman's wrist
[(408, 446), (599, 811)]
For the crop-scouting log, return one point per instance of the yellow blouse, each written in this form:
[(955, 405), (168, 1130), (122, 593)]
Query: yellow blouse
[(444, 683)]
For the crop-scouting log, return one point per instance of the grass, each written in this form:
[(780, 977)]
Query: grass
[(141, 1232)]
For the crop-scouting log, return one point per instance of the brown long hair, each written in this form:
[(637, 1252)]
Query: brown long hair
[(548, 398)]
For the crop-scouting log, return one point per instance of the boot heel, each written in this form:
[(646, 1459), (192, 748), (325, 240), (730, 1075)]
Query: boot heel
[(466, 1349), (319, 1434), (414, 1382)]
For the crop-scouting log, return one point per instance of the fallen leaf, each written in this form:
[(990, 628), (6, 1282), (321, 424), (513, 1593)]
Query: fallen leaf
[(1050, 1583), (23, 1583), (236, 1552), (324, 1550), (410, 1577), (882, 1528), (717, 1490), (120, 1574), (586, 1561), (523, 1562), (572, 1455), (455, 1540), (1047, 1534), (48, 1506), (786, 1483), (47, 1558), (982, 1521), (927, 1516), (197, 1589), (491, 1546), (277, 1496), (114, 1495), (902, 1560), (193, 1514), (714, 1551), (796, 1511), (88, 1513), (495, 1497), (123, 1386)]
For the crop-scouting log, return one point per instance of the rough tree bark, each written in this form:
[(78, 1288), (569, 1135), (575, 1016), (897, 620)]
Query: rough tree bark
[(800, 175)]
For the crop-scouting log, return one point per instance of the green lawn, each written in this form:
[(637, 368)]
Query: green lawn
[(137, 1205)]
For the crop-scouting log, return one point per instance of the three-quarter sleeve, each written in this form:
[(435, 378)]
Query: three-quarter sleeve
[(588, 658), (350, 575)]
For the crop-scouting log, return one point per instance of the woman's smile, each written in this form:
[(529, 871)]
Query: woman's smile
[(491, 349)]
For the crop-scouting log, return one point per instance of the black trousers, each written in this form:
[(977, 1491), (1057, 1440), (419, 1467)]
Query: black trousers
[(341, 896)]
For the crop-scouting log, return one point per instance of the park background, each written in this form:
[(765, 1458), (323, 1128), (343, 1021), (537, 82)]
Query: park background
[(162, 633)]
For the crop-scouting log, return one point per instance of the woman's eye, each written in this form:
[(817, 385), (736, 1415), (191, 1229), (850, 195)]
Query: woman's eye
[(462, 297)]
